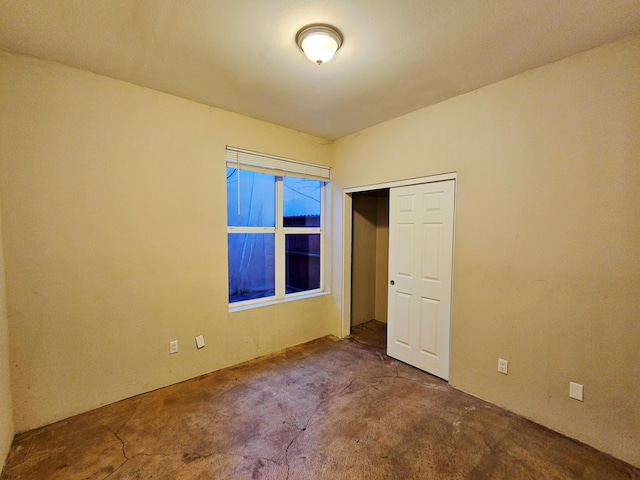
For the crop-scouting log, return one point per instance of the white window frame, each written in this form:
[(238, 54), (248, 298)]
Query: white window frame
[(244, 160)]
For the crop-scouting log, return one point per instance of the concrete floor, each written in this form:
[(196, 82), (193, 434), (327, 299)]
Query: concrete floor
[(329, 409)]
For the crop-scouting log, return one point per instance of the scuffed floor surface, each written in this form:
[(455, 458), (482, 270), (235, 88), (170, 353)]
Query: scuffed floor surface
[(329, 409)]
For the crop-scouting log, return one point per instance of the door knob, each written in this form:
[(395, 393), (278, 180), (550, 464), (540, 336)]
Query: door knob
[(392, 282)]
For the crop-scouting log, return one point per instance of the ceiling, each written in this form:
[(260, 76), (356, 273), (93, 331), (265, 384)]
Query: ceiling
[(240, 55)]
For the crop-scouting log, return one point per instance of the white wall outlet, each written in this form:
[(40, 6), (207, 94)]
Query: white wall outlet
[(503, 365), (200, 341), (173, 346), (576, 391)]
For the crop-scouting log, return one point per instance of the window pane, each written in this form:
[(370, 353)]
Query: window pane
[(251, 266), (301, 202), (302, 254), (257, 199)]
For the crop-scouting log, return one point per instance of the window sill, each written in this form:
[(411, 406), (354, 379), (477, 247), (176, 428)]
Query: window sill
[(266, 303)]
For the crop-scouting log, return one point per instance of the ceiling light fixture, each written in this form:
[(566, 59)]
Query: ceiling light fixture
[(319, 42)]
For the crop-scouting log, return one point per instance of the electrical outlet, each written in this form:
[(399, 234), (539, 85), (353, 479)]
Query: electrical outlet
[(503, 365), (200, 341), (173, 346), (576, 391)]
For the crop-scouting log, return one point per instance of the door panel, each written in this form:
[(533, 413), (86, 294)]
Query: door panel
[(430, 251), (420, 266), (404, 253), (403, 306), (429, 326)]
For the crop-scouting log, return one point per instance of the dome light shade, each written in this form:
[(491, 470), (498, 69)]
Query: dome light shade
[(319, 42)]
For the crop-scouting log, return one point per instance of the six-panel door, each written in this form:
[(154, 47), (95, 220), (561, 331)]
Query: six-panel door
[(420, 268)]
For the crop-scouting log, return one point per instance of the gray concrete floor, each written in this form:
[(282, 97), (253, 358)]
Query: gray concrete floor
[(328, 409)]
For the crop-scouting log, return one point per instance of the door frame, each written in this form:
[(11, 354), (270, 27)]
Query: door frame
[(347, 235)]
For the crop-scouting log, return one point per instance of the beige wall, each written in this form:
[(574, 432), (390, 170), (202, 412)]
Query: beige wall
[(6, 409), (547, 266), (115, 239)]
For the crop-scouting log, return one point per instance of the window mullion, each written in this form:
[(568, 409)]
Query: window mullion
[(323, 216), (251, 229), (302, 230), (280, 276)]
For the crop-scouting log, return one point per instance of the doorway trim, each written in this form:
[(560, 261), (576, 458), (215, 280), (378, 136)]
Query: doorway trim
[(347, 234)]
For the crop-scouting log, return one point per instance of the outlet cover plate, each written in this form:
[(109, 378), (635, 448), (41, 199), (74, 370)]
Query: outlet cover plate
[(503, 365), (173, 346), (576, 391), (200, 341)]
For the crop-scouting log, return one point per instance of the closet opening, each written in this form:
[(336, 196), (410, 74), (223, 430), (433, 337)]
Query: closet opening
[(369, 265)]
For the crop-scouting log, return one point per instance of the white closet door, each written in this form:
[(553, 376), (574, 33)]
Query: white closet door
[(420, 269)]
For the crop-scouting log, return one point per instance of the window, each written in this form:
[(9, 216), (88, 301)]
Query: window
[(275, 220)]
